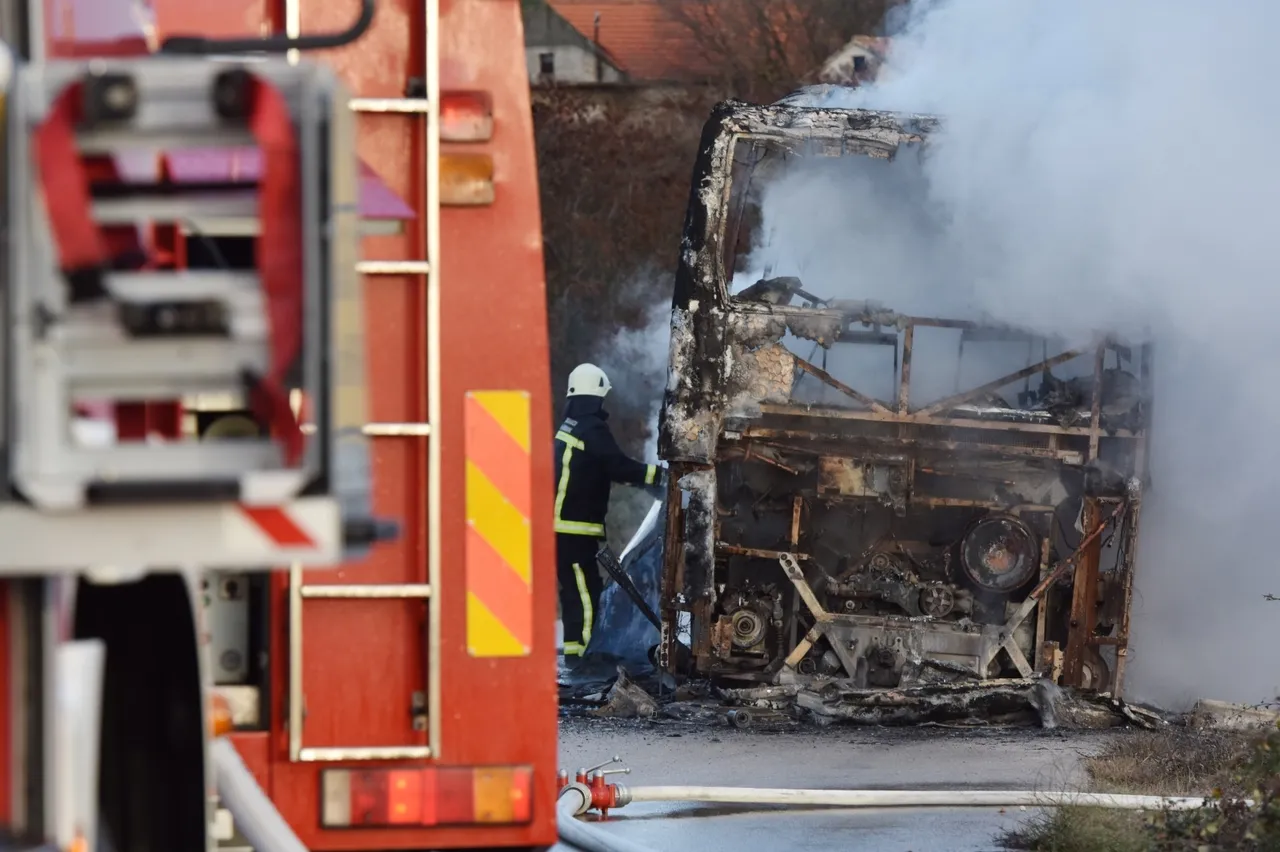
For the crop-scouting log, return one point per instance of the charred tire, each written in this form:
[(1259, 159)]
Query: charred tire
[(1096, 674), (1000, 553), (748, 628)]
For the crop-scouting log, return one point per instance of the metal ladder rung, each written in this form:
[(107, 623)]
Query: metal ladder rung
[(249, 226), (124, 211), (122, 463), (84, 385), (384, 430), (319, 755), (161, 139), (186, 286), (401, 591), (106, 357), (403, 106), (397, 430), (393, 267)]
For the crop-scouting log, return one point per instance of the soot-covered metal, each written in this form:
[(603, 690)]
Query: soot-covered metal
[(884, 542)]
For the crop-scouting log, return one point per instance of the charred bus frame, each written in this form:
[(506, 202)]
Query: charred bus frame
[(728, 403)]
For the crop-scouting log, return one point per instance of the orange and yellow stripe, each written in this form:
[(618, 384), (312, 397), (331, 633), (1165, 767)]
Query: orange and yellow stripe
[(499, 545)]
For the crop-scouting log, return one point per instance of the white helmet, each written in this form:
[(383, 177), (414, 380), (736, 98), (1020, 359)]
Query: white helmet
[(588, 380)]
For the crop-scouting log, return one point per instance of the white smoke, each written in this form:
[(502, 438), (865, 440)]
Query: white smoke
[(1102, 166), (635, 359)]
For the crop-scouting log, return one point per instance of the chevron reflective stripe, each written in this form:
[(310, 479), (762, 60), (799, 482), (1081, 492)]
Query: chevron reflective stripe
[(499, 545)]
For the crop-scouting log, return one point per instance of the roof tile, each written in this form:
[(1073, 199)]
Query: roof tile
[(641, 37)]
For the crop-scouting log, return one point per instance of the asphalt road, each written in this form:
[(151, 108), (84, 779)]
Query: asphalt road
[(830, 758)]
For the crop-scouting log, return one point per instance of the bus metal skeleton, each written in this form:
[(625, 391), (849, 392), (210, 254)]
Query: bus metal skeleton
[(818, 533)]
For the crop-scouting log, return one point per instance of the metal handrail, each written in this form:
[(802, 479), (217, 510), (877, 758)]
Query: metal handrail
[(431, 74), (288, 43)]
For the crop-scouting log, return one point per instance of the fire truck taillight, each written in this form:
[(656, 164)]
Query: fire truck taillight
[(466, 117), (466, 180), (490, 795)]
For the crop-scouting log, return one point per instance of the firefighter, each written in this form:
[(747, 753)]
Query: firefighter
[(588, 461)]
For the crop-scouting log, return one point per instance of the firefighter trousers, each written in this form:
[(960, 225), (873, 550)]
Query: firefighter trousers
[(580, 588)]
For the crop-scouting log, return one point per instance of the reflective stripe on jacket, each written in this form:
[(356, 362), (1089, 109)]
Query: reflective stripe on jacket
[(588, 460)]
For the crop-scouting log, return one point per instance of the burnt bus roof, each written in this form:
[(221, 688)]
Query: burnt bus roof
[(797, 117), (873, 133), (711, 330)]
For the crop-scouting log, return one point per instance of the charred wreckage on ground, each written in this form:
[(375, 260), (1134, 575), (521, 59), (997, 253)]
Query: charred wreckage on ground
[(882, 543)]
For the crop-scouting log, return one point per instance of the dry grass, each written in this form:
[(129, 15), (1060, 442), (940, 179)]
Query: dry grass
[(1172, 762), (1083, 830)]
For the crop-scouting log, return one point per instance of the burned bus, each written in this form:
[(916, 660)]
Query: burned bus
[(848, 500)]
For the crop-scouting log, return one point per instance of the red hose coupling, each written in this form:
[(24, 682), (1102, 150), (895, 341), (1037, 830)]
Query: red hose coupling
[(604, 795)]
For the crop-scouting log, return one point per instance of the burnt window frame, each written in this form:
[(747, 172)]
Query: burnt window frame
[(816, 144), (785, 145)]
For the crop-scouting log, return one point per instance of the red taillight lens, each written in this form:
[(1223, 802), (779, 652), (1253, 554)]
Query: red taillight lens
[(466, 117), (493, 795)]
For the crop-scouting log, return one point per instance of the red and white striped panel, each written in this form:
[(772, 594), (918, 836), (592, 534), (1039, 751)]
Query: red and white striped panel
[(221, 535), (279, 526), (292, 529)]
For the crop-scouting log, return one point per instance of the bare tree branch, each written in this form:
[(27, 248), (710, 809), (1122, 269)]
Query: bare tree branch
[(763, 48), (614, 184)]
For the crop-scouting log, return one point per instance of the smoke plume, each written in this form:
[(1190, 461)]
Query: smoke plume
[(635, 359), (1102, 166)]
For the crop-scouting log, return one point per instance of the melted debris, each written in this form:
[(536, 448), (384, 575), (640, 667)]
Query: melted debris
[(626, 701), (1030, 703)]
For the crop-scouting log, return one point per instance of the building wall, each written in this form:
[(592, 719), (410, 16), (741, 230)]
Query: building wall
[(573, 65)]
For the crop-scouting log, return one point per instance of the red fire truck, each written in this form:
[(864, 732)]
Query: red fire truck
[(405, 701)]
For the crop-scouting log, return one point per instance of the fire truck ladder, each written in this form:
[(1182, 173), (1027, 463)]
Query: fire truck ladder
[(421, 106), (88, 330)]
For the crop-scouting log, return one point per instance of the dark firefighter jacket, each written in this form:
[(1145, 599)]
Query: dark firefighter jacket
[(588, 460)]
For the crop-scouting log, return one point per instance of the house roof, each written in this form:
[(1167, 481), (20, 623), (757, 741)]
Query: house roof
[(643, 40), (839, 67), (545, 27)]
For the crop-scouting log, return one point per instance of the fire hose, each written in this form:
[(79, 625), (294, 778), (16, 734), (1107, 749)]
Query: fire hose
[(257, 819), (903, 798), (613, 565), (577, 799)]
